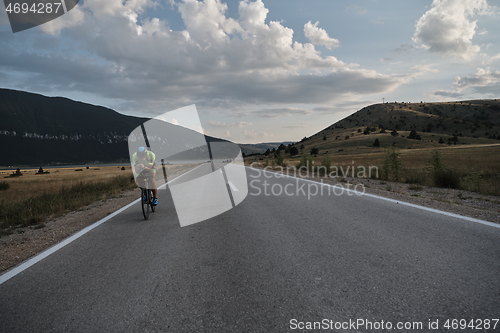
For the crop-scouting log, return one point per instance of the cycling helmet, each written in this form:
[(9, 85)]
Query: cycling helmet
[(141, 151)]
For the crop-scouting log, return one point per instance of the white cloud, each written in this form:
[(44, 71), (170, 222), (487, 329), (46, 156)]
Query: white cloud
[(250, 135), (424, 69), (319, 36), (72, 18), (359, 10), (447, 27), (484, 81), (447, 94), (377, 21), (492, 59), (229, 125), (120, 53), (404, 48), (280, 112)]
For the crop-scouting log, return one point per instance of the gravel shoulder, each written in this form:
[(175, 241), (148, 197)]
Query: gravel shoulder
[(27, 242)]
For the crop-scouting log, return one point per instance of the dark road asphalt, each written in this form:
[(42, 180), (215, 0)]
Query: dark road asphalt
[(260, 265)]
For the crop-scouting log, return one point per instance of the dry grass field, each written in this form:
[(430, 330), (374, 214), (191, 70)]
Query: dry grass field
[(477, 165), (31, 185)]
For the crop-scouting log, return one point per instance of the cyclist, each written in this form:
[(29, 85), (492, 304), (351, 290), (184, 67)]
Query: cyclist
[(143, 161)]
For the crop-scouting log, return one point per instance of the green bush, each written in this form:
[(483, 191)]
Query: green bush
[(326, 164), (436, 161), (4, 186), (307, 162), (392, 167), (415, 177), (447, 178), (472, 182), (280, 159)]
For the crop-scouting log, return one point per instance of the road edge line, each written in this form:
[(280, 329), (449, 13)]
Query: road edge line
[(10, 273), (45, 253)]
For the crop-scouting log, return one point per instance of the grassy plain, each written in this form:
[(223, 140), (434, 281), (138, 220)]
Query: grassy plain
[(31, 185), (31, 198)]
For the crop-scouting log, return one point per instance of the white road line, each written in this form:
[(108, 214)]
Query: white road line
[(30, 262), (232, 186), (44, 254), (470, 219)]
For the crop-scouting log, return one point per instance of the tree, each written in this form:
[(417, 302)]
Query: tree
[(267, 152), (441, 140), (413, 135), (294, 151), (324, 137), (394, 133), (367, 131), (376, 143), (302, 147), (314, 151)]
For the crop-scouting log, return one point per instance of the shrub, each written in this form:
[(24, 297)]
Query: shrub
[(307, 162), (4, 186), (436, 161), (415, 177), (392, 164), (376, 143), (326, 165), (280, 159), (447, 178), (314, 151), (472, 182)]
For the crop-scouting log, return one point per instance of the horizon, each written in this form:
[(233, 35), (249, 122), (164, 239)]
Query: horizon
[(258, 71)]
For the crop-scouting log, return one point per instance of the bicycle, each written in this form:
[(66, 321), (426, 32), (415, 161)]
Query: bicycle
[(148, 204)]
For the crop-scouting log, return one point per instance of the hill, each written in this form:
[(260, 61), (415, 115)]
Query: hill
[(40, 130), (260, 148), (475, 122)]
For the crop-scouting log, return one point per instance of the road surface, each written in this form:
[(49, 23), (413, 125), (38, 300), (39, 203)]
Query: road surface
[(272, 264)]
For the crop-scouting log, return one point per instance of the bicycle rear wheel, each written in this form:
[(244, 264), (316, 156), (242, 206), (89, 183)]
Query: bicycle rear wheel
[(151, 200), (145, 204)]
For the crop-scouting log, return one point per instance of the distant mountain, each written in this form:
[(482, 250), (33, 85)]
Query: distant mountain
[(260, 148), (411, 125), (40, 130)]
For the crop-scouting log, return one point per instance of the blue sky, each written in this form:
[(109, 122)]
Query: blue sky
[(258, 71)]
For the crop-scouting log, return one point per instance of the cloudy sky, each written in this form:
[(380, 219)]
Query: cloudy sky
[(258, 71)]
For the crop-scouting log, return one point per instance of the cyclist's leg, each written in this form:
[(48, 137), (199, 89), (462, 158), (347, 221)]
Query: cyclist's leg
[(153, 186), (141, 182)]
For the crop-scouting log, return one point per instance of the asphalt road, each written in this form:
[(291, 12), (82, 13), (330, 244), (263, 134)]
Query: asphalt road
[(259, 266)]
